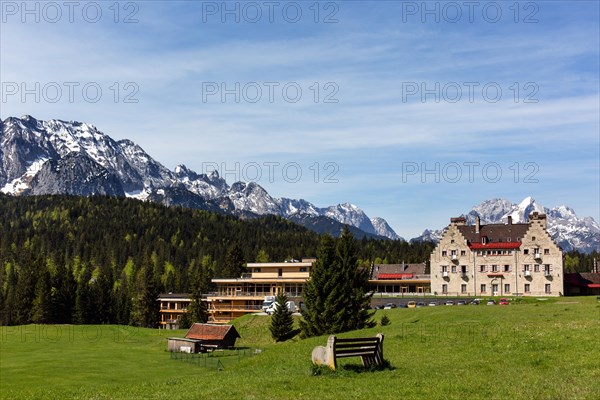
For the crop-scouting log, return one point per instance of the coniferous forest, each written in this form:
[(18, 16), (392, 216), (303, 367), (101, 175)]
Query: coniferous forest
[(94, 260)]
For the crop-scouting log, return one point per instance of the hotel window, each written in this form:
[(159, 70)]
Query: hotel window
[(507, 268), (303, 269), (463, 288), (463, 269), (451, 240), (444, 253), (546, 251), (463, 253), (454, 269), (547, 269), (494, 268), (527, 288), (548, 288), (483, 288), (444, 268), (533, 238), (256, 269), (536, 268), (526, 267), (507, 288), (526, 251), (482, 268), (444, 288)]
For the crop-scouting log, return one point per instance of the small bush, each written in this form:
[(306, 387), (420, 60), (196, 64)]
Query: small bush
[(385, 321)]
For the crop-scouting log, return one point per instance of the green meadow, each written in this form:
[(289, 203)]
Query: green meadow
[(531, 350)]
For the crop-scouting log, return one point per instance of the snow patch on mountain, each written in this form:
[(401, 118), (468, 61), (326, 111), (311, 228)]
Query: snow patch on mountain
[(20, 184)]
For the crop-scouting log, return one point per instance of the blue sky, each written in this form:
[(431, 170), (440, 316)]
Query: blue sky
[(410, 110)]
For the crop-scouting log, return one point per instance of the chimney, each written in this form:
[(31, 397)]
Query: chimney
[(477, 224), (509, 220)]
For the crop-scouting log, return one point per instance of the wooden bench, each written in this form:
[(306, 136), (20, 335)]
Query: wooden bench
[(370, 350)]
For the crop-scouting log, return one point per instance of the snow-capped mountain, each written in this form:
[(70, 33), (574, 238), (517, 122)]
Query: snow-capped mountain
[(52, 157), (568, 230), (383, 229)]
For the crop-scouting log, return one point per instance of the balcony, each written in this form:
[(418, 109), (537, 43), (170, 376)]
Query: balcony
[(526, 273), (537, 256), (445, 274), (547, 273)]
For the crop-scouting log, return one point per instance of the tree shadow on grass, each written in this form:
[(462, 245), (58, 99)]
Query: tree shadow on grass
[(350, 369)]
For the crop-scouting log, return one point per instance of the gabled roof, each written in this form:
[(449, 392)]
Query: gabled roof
[(397, 271), (210, 331), (494, 232)]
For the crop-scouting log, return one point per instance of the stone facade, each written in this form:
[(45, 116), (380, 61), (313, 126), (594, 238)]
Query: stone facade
[(497, 260)]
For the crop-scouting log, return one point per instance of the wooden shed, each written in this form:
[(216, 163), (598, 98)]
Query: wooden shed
[(211, 335), (183, 345)]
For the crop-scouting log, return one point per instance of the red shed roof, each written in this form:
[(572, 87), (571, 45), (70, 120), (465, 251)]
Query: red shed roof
[(210, 331)]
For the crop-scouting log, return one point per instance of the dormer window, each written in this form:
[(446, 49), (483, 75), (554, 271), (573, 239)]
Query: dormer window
[(484, 240)]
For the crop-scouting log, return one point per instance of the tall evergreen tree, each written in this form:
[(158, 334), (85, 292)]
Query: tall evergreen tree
[(318, 312), (42, 310), (282, 322), (234, 262), (197, 311), (83, 300), (8, 312), (144, 308), (337, 293)]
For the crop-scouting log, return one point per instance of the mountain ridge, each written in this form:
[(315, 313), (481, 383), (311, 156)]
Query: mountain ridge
[(60, 157)]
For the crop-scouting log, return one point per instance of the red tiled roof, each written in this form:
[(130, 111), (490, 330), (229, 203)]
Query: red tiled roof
[(210, 331), (395, 276), (496, 245)]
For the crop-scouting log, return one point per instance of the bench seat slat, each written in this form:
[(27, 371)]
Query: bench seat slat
[(354, 355), (355, 345), (337, 340), (356, 352)]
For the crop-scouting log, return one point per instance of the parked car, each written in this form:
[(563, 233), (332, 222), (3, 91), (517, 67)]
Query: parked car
[(412, 304), (503, 302), (475, 302), (379, 307), (449, 303), (491, 302), (420, 304), (389, 306), (432, 304), (402, 305), (461, 303)]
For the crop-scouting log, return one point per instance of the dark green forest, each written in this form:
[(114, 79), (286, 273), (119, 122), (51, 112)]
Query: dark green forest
[(100, 260)]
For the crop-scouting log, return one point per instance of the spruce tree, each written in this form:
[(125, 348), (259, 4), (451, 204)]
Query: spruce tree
[(144, 308), (282, 322), (42, 310), (234, 262), (337, 294), (8, 316), (318, 313)]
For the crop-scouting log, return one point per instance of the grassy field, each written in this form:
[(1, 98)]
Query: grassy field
[(533, 350)]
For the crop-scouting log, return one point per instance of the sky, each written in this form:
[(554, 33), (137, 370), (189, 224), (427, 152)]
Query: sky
[(413, 111)]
